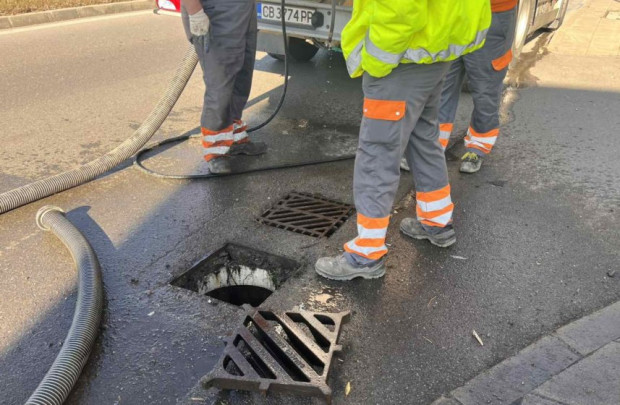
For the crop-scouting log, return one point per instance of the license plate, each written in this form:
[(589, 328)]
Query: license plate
[(294, 15)]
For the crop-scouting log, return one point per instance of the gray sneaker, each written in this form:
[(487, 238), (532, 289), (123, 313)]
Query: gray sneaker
[(338, 268), (248, 148), (219, 165), (443, 237), (404, 165), (471, 163)]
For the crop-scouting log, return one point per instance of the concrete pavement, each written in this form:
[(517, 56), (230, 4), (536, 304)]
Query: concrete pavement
[(537, 227)]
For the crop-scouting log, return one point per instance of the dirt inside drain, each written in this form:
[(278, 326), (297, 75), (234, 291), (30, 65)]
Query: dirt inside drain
[(237, 275)]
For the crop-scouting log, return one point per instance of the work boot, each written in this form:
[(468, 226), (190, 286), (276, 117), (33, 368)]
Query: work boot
[(219, 165), (471, 163), (442, 237), (248, 148), (338, 268), (404, 165)]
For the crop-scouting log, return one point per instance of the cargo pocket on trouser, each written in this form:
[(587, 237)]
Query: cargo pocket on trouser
[(381, 128), (387, 110), (503, 61), (380, 135)]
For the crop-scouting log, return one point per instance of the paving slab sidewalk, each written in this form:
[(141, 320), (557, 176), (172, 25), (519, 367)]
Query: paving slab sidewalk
[(64, 14), (578, 364)]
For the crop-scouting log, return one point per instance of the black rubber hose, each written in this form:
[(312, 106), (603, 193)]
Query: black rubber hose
[(44, 188), (66, 369), (191, 134), (286, 56)]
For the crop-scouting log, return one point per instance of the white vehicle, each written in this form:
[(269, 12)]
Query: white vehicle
[(314, 24)]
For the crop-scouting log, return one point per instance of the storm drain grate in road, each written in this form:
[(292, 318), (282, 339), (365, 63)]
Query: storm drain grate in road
[(280, 351), (308, 214)]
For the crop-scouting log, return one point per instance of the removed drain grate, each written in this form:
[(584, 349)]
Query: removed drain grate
[(285, 351), (307, 214), (237, 275), (613, 15)]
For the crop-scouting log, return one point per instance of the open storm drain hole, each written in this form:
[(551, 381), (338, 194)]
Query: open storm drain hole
[(308, 214), (237, 275)]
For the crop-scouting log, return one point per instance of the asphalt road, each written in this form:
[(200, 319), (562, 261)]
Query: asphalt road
[(538, 229)]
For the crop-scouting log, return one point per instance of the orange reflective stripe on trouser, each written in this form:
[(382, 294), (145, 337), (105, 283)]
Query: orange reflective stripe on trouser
[(445, 130), (370, 242), (434, 208), (481, 141), (498, 6), (240, 132), (503, 61), (216, 143)]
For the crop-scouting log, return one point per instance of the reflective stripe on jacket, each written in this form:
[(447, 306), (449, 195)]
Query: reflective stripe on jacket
[(384, 33)]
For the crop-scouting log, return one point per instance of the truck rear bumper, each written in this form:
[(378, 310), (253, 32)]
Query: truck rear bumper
[(334, 20)]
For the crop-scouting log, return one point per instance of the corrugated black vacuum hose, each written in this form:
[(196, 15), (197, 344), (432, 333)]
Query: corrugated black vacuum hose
[(66, 369)]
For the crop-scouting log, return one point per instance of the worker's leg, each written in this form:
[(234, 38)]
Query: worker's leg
[(449, 100), (486, 70), (426, 158), (243, 80), (241, 93), (392, 107), (221, 54)]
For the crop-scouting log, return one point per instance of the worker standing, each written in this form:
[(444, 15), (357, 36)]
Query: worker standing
[(224, 34), (401, 47), (485, 70)]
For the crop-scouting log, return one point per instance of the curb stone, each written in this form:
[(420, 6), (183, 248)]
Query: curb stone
[(65, 14), (521, 377)]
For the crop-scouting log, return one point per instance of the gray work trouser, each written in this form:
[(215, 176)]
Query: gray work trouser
[(227, 54), (400, 116), (485, 69)]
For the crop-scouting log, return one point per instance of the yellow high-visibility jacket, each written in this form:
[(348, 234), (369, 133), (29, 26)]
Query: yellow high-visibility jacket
[(384, 33)]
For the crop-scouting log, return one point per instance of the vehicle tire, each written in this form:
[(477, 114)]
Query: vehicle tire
[(276, 56), (522, 27), (301, 50), (557, 23), (298, 49)]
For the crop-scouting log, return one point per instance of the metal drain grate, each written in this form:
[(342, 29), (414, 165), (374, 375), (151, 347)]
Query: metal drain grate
[(286, 352), (307, 214)]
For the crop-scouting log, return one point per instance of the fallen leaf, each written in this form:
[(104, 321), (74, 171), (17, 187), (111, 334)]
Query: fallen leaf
[(477, 337), (347, 389)]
